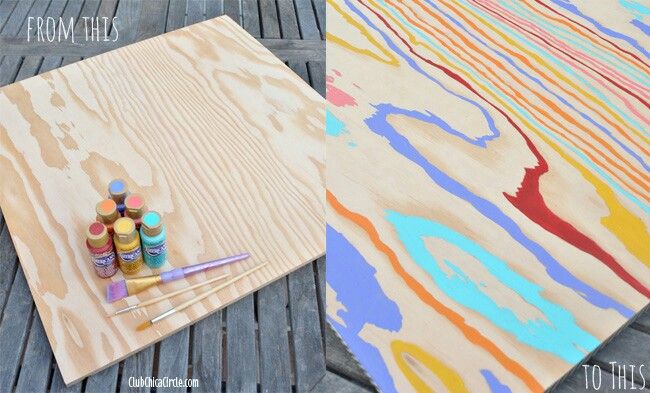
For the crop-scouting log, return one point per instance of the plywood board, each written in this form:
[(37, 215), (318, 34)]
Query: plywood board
[(219, 136), (488, 189)]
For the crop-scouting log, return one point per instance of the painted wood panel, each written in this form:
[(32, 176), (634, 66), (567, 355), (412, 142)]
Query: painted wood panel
[(487, 175), (220, 137)]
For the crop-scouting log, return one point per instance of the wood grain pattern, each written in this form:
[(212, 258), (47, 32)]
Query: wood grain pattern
[(488, 187), (217, 134)]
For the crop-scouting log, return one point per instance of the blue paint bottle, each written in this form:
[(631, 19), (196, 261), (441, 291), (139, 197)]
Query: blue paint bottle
[(118, 192), (154, 240)]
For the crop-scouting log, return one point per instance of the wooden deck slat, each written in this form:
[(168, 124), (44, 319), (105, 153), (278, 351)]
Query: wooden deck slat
[(195, 11), (575, 383), (275, 366), (176, 15), (206, 353), (15, 21), (15, 25), (270, 22), (644, 318), (103, 381), (317, 75), (37, 362), (339, 359), (6, 7), (49, 63), (319, 7), (288, 50), (55, 9), (127, 16), (629, 346), (301, 70), (251, 17), (107, 10), (288, 19), (138, 365), (305, 327), (232, 9), (14, 328), (332, 383), (240, 347), (152, 24), (173, 358), (72, 10), (58, 386), (29, 67), (319, 271), (9, 262), (213, 8), (307, 20)]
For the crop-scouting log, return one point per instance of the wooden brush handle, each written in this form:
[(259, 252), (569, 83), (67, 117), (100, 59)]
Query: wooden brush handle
[(183, 290), (209, 292)]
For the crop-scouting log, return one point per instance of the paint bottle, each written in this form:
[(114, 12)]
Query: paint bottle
[(127, 245), (118, 192), (101, 250), (134, 208), (154, 239), (107, 214)]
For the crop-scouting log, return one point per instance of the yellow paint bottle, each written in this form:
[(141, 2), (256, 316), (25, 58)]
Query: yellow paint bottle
[(127, 245)]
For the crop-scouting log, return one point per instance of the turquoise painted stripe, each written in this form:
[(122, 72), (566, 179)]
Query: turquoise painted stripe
[(556, 333), (334, 126)]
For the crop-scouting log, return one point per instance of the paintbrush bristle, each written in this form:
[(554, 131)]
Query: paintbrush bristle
[(116, 291), (143, 326)]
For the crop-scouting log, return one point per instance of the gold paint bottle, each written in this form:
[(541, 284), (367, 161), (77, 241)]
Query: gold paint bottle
[(127, 245)]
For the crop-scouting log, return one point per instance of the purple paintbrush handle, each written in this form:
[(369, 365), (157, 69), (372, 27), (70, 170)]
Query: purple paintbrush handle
[(180, 272)]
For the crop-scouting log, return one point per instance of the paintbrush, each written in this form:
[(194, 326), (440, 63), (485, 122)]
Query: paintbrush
[(130, 286), (168, 295), (197, 299)]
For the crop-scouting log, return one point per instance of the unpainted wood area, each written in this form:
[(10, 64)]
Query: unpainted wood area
[(249, 346)]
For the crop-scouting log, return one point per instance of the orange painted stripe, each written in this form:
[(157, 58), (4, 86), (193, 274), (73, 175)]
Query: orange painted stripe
[(469, 332)]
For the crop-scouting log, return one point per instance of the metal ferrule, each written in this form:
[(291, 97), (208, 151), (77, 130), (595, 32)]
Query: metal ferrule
[(163, 315), (122, 311)]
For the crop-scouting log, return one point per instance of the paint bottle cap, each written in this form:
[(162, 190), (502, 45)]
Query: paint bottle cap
[(107, 211), (124, 229), (97, 234), (117, 189), (152, 223), (134, 206)]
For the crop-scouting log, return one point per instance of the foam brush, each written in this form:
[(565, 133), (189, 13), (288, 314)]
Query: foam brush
[(130, 286), (197, 299)]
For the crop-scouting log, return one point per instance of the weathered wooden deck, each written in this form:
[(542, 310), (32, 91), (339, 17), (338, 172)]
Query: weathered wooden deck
[(271, 341)]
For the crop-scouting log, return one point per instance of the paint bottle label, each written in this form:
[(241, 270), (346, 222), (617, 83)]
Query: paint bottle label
[(104, 259), (154, 251), (104, 263), (130, 256)]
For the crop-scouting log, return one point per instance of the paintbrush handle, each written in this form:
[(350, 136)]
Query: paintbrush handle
[(205, 294), (182, 272), (180, 291), (202, 296)]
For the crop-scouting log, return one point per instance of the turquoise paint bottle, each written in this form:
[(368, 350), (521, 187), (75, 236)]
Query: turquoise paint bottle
[(154, 240)]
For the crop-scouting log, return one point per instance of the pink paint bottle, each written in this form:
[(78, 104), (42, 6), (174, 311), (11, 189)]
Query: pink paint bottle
[(135, 208), (101, 250)]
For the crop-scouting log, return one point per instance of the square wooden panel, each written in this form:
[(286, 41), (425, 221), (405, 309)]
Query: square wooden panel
[(487, 188), (220, 137)]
